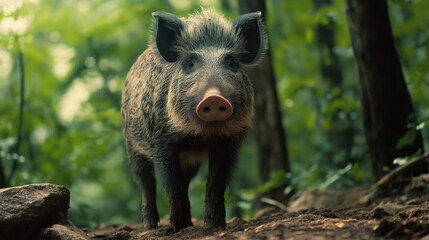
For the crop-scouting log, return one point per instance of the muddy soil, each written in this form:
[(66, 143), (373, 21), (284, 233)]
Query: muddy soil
[(314, 214)]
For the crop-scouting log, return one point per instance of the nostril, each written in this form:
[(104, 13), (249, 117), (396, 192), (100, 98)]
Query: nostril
[(222, 109), (206, 109)]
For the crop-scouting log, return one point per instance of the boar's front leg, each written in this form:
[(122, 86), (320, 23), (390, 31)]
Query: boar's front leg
[(222, 154), (149, 210), (176, 186), (144, 170)]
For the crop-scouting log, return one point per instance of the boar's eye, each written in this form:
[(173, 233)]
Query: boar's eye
[(232, 63), (188, 65)]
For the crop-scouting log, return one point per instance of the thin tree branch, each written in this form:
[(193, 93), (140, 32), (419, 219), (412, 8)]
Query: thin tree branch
[(2, 175), (17, 147), (397, 177), (274, 203)]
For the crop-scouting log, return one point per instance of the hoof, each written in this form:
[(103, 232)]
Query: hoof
[(215, 225)]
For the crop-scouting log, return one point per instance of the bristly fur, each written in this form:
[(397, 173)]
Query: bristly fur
[(208, 28)]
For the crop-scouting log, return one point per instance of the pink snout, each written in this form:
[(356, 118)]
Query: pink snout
[(214, 107)]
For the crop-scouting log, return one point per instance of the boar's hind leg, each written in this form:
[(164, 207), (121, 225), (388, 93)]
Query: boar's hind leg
[(221, 161), (146, 176)]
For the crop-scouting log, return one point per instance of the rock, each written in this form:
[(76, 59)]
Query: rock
[(25, 210), (62, 232), (326, 198), (115, 231)]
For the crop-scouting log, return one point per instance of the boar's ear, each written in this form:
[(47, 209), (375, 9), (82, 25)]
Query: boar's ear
[(166, 31), (251, 30)]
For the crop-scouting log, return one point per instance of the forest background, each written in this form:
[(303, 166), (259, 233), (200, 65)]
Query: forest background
[(73, 57)]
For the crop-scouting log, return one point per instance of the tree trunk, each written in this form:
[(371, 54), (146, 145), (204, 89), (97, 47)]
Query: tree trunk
[(387, 109), (267, 125)]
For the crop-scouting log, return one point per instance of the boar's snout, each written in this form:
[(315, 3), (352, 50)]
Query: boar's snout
[(214, 107)]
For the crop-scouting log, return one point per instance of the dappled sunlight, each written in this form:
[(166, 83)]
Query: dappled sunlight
[(61, 56), (11, 22), (40, 134), (6, 64), (15, 26), (10, 6), (71, 102)]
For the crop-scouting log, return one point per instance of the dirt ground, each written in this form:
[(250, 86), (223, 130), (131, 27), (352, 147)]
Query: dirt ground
[(313, 214)]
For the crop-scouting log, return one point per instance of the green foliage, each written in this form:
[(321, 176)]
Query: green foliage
[(246, 200), (410, 27), (323, 124), (77, 54)]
